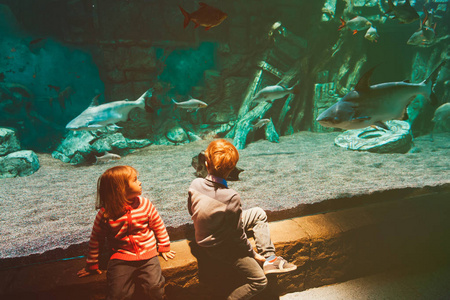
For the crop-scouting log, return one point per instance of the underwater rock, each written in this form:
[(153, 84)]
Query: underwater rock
[(198, 162), (193, 137), (176, 135), (328, 10), (8, 141), (441, 118), (19, 163), (397, 139), (81, 146), (108, 142)]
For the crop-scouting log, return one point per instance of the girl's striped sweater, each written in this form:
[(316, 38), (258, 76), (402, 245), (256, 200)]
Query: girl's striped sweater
[(137, 235)]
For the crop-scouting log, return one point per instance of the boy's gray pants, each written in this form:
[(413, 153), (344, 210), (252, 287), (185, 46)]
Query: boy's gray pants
[(255, 219)]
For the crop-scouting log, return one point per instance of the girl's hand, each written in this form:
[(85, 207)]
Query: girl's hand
[(167, 255), (84, 272)]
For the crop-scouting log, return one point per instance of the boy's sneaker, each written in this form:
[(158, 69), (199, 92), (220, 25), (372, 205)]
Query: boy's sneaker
[(278, 265)]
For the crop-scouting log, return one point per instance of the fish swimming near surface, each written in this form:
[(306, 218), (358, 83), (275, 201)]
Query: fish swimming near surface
[(107, 114), (371, 105), (404, 13), (372, 34), (35, 45), (260, 123), (273, 92), (190, 105), (35, 41), (206, 16), (107, 157), (356, 24)]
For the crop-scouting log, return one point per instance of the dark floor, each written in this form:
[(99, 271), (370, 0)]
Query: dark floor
[(425, 283)]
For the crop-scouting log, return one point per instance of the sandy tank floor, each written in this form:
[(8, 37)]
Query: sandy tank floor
[(54, 207)]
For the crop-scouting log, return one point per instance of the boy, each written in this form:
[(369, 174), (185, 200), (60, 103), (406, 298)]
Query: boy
[(220, 224)]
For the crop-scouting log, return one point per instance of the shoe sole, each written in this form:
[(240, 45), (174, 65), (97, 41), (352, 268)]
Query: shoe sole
[(280, 271)]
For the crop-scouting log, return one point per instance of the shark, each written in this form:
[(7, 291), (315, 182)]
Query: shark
[(372, 105), (107, 114)]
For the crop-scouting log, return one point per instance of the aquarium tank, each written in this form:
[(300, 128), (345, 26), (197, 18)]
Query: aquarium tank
[(324, 99)]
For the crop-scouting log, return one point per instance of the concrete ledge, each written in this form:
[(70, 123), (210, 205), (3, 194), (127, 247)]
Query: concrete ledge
[(328, 248)]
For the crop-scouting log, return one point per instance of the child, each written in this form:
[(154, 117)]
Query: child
[(135, 232), (220, 224)]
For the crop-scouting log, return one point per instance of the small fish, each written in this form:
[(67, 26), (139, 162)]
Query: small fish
[(35, 41), (428, 26), (190, 105), (260, 123), (107, 157), (64, 96), (54, 87), (372, 34), (206, 16), (99, 116), (274, 92), (356, 24), (371, 105), (404, 13), (428, 19)]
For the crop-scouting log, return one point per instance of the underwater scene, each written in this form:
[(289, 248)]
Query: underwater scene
[(325, 100)]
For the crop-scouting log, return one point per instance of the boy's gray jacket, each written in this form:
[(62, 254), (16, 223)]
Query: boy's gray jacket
[(216, 211)]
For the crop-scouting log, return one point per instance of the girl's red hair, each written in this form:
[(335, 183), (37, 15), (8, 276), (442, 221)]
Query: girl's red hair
[(222, 157), (112, 188)]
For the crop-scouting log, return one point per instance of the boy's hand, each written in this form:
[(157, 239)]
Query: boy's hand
[(84, 272), (167, 255), (259, 258)]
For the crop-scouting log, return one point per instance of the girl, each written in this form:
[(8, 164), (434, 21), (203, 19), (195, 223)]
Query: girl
[(135, 234)]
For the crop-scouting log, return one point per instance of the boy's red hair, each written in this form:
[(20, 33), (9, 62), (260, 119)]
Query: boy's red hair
[(112, 188), (222, 157)]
